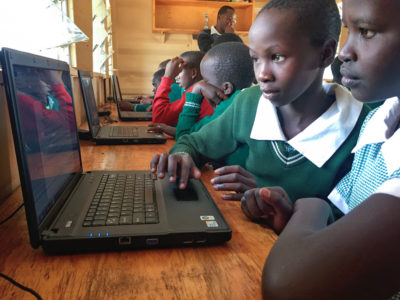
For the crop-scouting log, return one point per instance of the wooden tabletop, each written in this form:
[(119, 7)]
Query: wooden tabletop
[(228, 271)]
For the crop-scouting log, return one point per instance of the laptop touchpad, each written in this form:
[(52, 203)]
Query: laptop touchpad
[(188, 194)]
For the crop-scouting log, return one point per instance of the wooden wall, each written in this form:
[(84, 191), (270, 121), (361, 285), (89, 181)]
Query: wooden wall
[(137, 50)]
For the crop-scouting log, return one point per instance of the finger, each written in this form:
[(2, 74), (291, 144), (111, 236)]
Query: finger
[(162, 165), (235, 181), (232, 196), (172, 167), (237, 187), (246, 202), (276, 200), (154, 163), (185, 171), (256, 207)]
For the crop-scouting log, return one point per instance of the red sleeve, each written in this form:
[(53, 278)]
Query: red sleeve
[(168, 113), (163, 110)]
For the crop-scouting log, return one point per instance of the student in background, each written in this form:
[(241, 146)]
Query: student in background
[(226, 69), (356, 257), (290, 121), (226, 20), (186, 68)]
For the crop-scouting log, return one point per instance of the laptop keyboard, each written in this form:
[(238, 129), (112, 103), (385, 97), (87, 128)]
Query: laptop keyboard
[(123, 199), (124, 132)]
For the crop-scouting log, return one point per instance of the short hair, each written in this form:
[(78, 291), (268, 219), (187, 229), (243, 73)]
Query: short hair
[(193, 58), (163, 64), (227, 37), (158, 75), (232, 63), (224, 9), (319, 18)]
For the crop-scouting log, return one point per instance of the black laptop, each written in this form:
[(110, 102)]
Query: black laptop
[(128, 115), (112, 135), (119, 95), (69, 210)]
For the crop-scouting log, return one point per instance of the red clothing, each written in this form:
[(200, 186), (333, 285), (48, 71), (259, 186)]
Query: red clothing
[(39, 121), (168, 113)]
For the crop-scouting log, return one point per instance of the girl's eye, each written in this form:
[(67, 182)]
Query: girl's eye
[(366, 33), (278, 58), (254, 58)]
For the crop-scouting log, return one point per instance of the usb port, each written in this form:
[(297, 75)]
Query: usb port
[(125, 240), (152, 241)]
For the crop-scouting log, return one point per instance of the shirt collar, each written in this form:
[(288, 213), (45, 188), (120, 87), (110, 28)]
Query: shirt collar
[(381, 128), (214, 30), (331, 129)]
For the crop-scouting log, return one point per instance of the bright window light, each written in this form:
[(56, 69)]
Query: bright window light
[(38, 26)]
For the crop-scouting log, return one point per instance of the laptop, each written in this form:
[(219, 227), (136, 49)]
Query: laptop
[(133, 101), (68, 210), (112, 135), (128, 115)]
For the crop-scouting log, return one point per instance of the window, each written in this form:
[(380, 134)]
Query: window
[(102, 43), (41, 27)]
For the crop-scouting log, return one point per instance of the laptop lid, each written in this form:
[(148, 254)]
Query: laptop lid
[(119, 88), (39, 97), (89, 101)]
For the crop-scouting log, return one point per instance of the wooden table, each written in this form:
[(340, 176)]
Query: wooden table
[(228, 271)]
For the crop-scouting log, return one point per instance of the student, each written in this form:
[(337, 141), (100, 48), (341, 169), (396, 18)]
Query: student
[(187, 69), (235, 72), (226, 69), (356, 257), (290, 121), (226, 20)]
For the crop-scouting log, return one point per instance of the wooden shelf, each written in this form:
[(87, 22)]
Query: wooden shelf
[(187, 16)]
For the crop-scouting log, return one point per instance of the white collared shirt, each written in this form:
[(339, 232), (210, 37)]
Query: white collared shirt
[(323, 137), (214, 30)]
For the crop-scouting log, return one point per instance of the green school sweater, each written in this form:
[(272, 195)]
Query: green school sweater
[(222, 136), (189, 117)]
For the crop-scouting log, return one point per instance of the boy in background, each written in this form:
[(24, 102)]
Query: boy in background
[(186, 68), (226, 69), (356, 257)]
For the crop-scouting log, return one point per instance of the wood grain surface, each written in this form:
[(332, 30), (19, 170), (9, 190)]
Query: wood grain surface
[(229, 271)]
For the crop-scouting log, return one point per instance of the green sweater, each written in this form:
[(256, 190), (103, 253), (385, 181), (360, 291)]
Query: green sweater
[(221, 137), (189, 117)]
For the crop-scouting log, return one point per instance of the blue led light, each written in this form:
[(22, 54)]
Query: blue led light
[(99, 234), (91, 235), (107, 234)]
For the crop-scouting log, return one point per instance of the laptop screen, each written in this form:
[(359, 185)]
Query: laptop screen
[(90, 102), (48, 132)]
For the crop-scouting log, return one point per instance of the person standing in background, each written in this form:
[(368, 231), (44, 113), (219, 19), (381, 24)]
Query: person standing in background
[(226, 20)]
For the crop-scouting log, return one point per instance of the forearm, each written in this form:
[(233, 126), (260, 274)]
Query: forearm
[(190, 114), (353, 258)]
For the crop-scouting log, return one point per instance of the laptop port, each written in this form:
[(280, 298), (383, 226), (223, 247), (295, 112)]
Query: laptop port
[(152, 241), (188, 242), (201, 241), (125, 240)]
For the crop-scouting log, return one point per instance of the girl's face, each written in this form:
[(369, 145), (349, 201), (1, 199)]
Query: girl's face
[(371, 54), (286, 65)]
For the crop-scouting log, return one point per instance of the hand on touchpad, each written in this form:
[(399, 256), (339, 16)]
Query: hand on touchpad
[(188, 194)]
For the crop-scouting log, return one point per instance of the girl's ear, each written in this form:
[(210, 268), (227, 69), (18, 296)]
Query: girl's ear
[(227, 88), (328, 53)]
